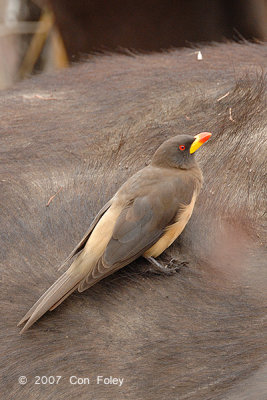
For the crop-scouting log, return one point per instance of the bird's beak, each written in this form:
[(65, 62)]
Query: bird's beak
[(199, 140)]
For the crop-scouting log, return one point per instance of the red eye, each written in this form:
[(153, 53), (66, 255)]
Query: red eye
[(182, 147)]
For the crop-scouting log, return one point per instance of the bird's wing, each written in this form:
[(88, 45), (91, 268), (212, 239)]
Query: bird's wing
[(83, 241), (139, 225)]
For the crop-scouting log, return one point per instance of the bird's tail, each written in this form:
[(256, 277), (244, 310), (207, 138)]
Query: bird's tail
[(59, 291)]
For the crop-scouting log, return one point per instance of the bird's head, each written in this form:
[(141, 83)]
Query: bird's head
[(178, 152)]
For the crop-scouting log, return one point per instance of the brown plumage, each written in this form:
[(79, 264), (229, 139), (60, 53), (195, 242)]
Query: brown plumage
[(143, 218)]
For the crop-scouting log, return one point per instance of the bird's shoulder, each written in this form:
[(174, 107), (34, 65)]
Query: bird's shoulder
[(157, 183)]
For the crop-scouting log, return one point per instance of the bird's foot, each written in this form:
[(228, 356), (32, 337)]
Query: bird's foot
[(170, 268)]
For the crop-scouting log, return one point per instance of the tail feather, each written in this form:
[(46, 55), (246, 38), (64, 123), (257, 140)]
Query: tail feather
[(63, 298), (61, 289), (31, 310)]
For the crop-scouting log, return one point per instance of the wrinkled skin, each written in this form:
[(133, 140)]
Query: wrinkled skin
[(199, 334)]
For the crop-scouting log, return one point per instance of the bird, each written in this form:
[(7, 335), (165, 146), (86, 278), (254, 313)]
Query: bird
[(144, 217)]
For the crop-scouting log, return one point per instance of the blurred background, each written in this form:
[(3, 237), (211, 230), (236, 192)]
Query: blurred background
[(43, 35)]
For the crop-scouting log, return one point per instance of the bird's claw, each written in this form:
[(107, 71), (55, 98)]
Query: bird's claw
[(170, 268), (175, 266)]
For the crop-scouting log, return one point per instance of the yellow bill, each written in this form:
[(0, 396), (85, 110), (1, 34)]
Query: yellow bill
[(200, 139)]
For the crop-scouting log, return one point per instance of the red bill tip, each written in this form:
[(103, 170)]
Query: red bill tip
[(203, 136)]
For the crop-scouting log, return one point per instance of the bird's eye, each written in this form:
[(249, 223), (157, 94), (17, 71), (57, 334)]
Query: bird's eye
[(182, 147)]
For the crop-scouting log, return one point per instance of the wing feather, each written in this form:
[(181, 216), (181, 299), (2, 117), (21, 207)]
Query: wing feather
[(84, 239), (139, 225)]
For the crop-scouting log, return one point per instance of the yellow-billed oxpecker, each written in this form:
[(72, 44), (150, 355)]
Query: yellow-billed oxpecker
[(143, 218)]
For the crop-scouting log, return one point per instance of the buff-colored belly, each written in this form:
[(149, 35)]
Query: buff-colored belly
[(173, 231)]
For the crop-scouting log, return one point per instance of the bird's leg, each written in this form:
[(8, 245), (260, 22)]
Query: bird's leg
[(169, 269)]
